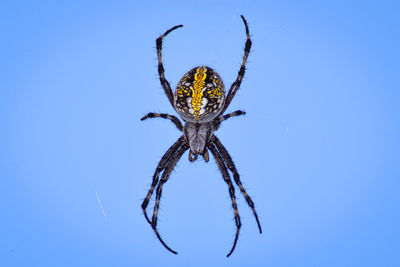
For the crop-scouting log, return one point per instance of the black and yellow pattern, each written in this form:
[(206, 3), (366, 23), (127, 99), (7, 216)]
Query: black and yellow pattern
[(200, 95), (201, 102)]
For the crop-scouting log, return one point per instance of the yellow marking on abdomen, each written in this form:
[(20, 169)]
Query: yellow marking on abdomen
[(198, 86)]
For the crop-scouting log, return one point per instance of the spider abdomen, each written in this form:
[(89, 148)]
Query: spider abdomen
[(200, 95)]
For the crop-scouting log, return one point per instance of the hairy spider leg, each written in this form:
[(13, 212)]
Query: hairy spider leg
[(225, 174), (164, 83), (175, 152), (231, 166), (230, 115), (235, 86), (160, 167), (164, 179), (172, 118)]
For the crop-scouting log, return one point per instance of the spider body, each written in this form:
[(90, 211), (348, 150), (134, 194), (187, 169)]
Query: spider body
[(200, 100), (200, 95), (198, 135)]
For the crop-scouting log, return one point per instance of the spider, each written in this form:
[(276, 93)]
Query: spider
[(200, 101)]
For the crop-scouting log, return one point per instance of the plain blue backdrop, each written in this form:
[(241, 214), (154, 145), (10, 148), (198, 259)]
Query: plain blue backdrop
[(317, 150)]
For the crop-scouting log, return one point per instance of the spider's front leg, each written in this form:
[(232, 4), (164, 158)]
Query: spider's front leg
[(167, 172), (224, 171), (231, 166), (160, 167)]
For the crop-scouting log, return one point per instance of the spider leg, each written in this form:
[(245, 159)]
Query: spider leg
[(230, 115), (160, 167), (235, 86), (167, 172), (227, 179), (231, 165), (172, 118), (164, 83), (218, 120)]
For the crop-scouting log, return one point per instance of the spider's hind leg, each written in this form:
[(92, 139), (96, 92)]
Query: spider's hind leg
[(172, 118), (164, 83), (230, 115), (235, 86), (218, 120)]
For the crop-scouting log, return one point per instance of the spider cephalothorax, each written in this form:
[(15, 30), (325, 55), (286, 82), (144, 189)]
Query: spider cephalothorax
[(200, 100)]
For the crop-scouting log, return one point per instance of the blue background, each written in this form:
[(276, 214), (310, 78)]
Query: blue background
[(317, 150)]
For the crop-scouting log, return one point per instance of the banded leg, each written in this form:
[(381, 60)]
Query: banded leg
[(172, 118), (160, 167), (232, 168), (164, 83), (230, 115), (217, 121), (235, 86), (224, 171), (164, 178)]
